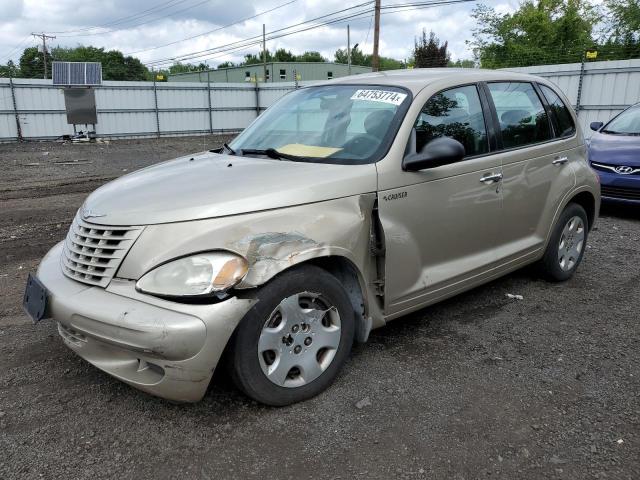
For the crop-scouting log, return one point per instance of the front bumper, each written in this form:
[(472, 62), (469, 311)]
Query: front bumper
[(164, 348), (619, 188)]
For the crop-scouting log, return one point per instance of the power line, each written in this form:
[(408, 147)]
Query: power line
[(216, 29), (146, 22), (124, 19), (17, 47), (200, 53), (256, 40)]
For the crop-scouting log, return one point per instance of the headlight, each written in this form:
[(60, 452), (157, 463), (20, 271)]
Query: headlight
[(201, 274)]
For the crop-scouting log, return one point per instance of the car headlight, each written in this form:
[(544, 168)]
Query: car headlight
[(200, 274)]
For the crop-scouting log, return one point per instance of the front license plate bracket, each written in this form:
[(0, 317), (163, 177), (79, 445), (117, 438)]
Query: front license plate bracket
[(35, 299)]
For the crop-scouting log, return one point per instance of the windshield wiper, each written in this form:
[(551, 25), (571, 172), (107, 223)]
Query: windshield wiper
[(229, 149), (273, 153)]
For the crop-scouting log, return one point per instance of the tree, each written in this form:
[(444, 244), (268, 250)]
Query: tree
[(429, 53), (539, 32), (9, 70), (359, 58), (31, 63), (623, 32), (624, 17), (462, 64), (310, 57), (226, 64), (283, 55)]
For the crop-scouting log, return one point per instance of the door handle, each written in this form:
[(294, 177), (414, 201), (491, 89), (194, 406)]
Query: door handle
[(491, 178), (560, 160)]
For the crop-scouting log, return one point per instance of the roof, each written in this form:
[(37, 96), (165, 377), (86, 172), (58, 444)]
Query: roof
[(260, 65), (418, 78)]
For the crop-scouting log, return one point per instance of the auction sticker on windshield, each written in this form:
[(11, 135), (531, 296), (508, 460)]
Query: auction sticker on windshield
[(384, 96)]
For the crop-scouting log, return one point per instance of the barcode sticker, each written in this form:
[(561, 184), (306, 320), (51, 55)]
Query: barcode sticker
[(384, 96)]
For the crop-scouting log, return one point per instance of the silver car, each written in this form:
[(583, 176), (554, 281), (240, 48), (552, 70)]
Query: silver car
[(342, 207)]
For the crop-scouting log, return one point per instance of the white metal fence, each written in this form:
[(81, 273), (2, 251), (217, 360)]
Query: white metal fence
[(598, 91), (34, 109)]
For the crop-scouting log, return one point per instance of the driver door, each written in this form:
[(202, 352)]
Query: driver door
[(441, 225)]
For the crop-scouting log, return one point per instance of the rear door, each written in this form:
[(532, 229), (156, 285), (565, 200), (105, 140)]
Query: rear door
[(536, 166)]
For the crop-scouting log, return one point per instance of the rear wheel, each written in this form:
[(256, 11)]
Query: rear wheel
[(567, 244), (291, 345)]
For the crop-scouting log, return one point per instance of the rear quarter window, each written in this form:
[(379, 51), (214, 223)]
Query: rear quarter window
[(561, 114)]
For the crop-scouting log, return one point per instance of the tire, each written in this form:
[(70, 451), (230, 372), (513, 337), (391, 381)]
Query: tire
[(305, 304), (567, 244)]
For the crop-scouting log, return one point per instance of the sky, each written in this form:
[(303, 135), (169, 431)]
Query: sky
[(139, 27)]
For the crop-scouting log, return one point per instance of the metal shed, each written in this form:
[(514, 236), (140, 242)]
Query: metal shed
[(276, 72)]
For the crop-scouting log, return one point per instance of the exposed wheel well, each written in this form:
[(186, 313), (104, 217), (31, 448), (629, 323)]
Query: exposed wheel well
[(588, 202), (347, 274)]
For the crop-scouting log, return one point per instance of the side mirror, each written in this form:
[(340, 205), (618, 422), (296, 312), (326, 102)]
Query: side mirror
[(595, 126), (439, 151)]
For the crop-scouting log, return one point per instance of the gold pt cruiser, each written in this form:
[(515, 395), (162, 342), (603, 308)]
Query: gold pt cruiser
[(342, 207)]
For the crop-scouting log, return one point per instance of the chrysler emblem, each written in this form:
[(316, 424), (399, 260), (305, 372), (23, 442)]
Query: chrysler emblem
[(624, 170), (89, 214)]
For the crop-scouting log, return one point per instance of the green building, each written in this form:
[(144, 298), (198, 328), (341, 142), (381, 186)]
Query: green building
[(276, 72)]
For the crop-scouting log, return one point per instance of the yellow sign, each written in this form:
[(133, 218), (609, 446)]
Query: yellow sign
[(592, 54), (159, 77)]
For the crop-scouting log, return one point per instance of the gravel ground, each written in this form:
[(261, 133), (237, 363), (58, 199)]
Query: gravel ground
[(479, 386)]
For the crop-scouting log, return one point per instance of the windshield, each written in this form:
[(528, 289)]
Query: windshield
[(346, 124), (627, 123)]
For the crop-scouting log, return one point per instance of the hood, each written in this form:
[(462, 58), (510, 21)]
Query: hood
[(209, 185), (615, 149)]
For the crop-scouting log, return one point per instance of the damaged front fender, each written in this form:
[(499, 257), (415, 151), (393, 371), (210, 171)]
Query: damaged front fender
[(272, 241)]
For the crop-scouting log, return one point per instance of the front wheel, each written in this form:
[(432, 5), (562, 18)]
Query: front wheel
[(567, 244), (291, 345)]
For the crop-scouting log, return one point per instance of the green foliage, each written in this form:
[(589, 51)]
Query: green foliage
[(9, 70), (115, 66), (282, 55), (360, 58), (429, 53), (462, 64), (225, 65), (32, 64), (539, 32), (623, 30)]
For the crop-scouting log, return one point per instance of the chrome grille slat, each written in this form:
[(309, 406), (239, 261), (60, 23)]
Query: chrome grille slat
[(92, 253)]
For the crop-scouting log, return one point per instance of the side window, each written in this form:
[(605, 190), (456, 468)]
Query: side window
[(523, 119), (455, 113), (559, 110)]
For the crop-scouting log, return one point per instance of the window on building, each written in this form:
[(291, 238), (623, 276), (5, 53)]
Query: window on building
[(283, 74), (329, 75), (267, 79), (247, 76), (523, 119)]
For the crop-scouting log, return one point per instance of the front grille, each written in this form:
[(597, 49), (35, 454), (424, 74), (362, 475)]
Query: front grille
[(621, 192), (93, 253)]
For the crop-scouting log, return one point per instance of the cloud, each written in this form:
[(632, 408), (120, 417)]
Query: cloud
[(144, 26)]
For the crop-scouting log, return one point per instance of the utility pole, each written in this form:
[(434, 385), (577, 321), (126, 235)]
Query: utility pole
[(349, 49), (44, 37), (264, 52), (375, 60)]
